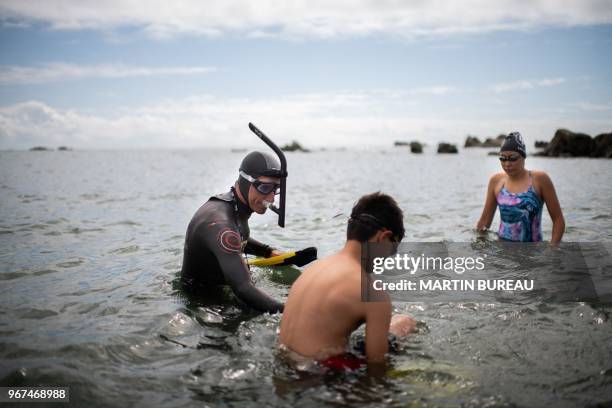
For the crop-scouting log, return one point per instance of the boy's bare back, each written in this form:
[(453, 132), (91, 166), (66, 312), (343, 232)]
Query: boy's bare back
[(324, 308)]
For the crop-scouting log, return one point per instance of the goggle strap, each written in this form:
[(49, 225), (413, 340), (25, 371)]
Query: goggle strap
[(246, 176), (371, 221)]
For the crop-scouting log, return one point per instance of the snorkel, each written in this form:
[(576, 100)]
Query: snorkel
[(280, 210)]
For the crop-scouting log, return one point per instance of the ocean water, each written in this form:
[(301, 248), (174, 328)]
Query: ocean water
[(91, 246)]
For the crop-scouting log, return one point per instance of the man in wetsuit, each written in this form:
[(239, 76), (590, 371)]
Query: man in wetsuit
[(325, 306), (218, 233)]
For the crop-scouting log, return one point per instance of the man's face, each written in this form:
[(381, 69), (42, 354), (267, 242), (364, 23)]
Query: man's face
[(257, 199)]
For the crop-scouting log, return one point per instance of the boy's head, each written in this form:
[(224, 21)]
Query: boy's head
[(373, 213)]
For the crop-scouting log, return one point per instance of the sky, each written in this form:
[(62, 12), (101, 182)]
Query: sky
[(192, 74)]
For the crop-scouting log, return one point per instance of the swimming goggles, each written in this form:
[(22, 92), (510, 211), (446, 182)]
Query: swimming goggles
[(263, 187), (512, 158)]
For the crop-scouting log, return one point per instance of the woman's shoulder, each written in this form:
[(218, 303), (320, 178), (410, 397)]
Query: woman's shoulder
[(541, 183), (497, 177), (496, 182), (540, 176)]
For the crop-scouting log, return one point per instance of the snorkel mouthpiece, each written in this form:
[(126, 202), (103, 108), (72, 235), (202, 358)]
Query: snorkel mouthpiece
[(271, 206)]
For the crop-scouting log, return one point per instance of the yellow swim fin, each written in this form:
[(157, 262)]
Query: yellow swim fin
[(273, 260), (298, 258)]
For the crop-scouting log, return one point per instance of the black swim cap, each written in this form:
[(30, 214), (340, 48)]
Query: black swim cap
[(514, 143), (257, 164)]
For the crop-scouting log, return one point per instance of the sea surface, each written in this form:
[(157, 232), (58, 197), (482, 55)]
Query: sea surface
[(91, 246)]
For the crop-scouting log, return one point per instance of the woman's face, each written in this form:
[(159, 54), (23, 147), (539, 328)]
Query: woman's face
[(512, 162)]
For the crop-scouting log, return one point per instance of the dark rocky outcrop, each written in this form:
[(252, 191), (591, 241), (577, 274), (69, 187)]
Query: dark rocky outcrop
[(541, 144), (602, 146), (447, 148), (294, 147), (497, 142), (472, 141), (64, 149), (566, 143), (40, 149), (400, 143), (416, 147)]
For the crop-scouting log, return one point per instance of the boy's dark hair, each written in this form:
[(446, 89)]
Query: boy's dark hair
[(372, 213)]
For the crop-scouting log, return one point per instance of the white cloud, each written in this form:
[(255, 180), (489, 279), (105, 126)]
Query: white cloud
[(596, 107), (439, 90), (350, 119), (526, 84), (309, 18), (57, 72)]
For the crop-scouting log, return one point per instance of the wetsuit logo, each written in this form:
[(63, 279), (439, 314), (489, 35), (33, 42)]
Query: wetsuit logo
[(229, 241)]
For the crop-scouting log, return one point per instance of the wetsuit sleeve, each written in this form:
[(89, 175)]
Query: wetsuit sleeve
[(254, 247), (224, 242)]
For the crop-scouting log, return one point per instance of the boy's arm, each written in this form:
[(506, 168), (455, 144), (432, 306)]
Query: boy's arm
[(378, 318)]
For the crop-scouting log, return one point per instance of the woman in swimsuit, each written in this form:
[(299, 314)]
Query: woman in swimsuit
[(520, 195)]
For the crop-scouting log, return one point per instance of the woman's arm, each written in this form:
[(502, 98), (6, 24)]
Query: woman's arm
[(549, 195), (490, 205)]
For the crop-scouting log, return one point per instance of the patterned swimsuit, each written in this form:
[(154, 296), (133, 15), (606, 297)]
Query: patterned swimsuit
[(521, 215)]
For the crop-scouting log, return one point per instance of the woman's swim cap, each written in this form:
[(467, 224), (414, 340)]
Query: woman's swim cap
[(514, 143)]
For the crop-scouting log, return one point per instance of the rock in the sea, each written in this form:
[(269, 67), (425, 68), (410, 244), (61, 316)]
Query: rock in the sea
[(64, 149), (567, 143), (400, 143), (39, 149), (497, 142), (294, 147), (541, 144), (602, 146), (416, 147), (447, 148), (472, 141)]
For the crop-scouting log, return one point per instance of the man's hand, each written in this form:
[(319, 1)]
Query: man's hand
[(275, 252), (402, 325)]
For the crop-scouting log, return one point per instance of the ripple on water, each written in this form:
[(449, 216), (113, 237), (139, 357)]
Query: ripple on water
[(70, 264), (20, 274), (109, 311), (32, 313), (90, 196), (86, 308), (28, 198), (125, 250), (78, 230), (127, 223), (206, 315), (178, 325)]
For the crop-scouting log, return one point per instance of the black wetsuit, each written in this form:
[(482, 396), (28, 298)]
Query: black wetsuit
[(216, 238)]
